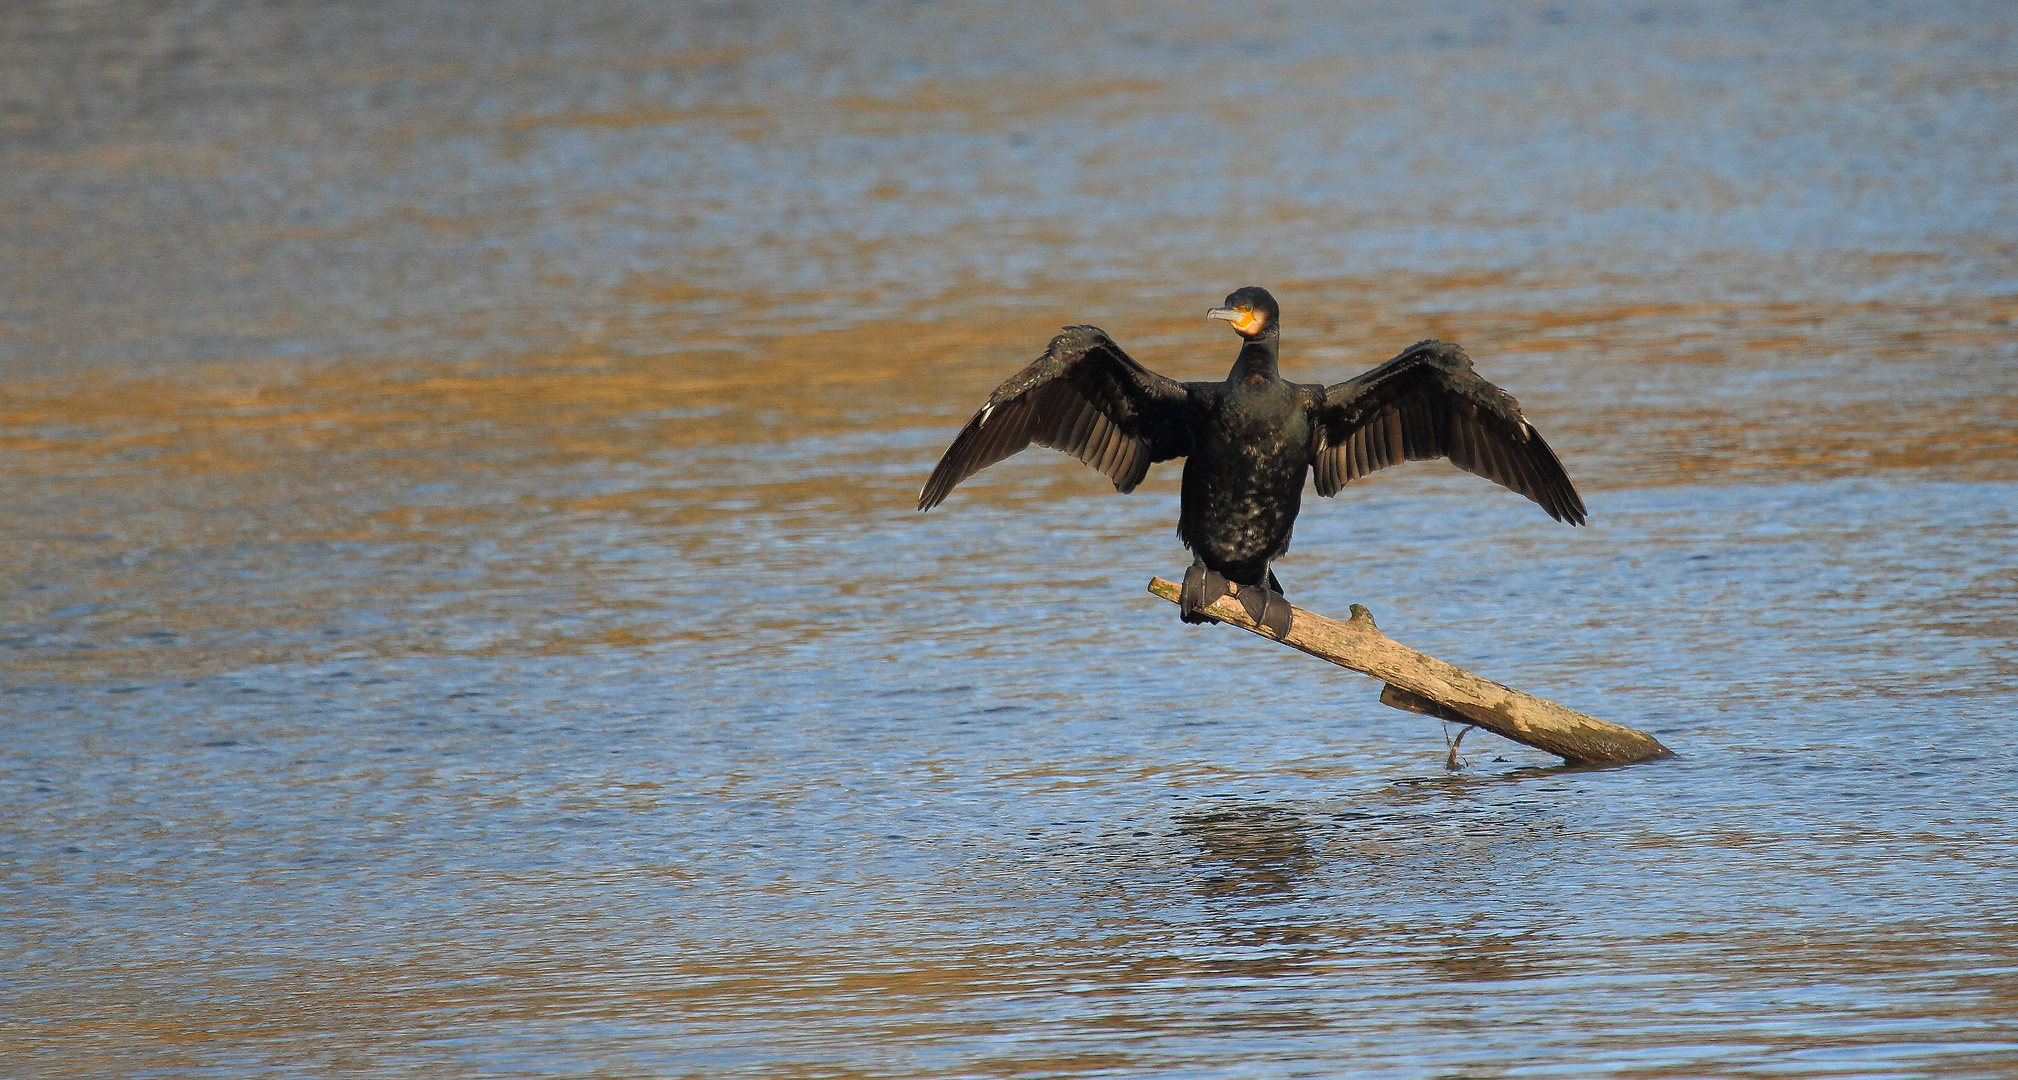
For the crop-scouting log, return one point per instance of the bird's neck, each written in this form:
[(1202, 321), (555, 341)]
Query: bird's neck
[(1256, 361)]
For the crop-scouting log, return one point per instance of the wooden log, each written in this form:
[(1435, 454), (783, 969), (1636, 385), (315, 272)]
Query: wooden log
[(1423, 684)]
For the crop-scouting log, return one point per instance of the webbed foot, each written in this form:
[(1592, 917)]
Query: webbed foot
[(1269, 609), (1201, 588)]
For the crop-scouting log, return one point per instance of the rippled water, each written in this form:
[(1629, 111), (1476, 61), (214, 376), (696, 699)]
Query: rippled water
[(462, 612)]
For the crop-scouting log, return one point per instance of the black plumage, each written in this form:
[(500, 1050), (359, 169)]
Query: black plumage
[(1250, 440)]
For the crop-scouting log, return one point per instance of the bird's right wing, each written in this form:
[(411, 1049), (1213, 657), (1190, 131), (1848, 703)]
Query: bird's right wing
[(1083, 396)]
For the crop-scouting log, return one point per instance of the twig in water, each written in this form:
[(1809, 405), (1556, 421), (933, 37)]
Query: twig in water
[(1451, 763)]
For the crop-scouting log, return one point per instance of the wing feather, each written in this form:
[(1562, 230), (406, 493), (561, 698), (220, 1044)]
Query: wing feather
[(1454, 431), (1073, 435), (1099, 444), (1429, 403), (1111, 447)]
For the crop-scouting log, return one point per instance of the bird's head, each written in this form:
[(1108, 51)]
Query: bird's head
[(1251, 311)]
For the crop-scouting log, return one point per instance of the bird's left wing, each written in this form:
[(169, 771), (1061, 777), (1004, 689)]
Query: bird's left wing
[(1429, 403), (1083, 396)]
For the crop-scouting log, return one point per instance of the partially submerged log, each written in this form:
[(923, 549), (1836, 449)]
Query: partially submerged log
[(1423, 684)]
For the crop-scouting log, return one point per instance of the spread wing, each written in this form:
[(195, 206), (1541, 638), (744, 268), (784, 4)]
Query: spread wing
[(1429, 403), (1083, 396)]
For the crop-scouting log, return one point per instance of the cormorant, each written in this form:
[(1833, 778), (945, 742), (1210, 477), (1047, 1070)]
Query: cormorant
[(1249, 441)]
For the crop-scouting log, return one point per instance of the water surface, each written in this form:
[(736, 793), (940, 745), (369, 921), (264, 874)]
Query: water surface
[(463, 613)]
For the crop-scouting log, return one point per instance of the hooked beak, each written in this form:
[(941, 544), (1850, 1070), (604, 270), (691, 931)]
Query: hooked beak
[(1243, 321)]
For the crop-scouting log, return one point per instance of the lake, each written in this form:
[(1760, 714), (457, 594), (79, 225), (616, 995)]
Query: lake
[(463, 611)]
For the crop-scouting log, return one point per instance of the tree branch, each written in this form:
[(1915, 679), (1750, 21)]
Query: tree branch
[(1423, 684)]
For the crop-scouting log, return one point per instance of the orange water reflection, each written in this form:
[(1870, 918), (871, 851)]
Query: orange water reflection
[(277, 455)]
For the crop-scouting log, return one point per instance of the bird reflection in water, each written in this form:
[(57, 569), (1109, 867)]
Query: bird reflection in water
[(1251, 849), (1256, 860)]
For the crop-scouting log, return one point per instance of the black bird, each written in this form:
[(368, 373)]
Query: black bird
[(1249, 441)]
